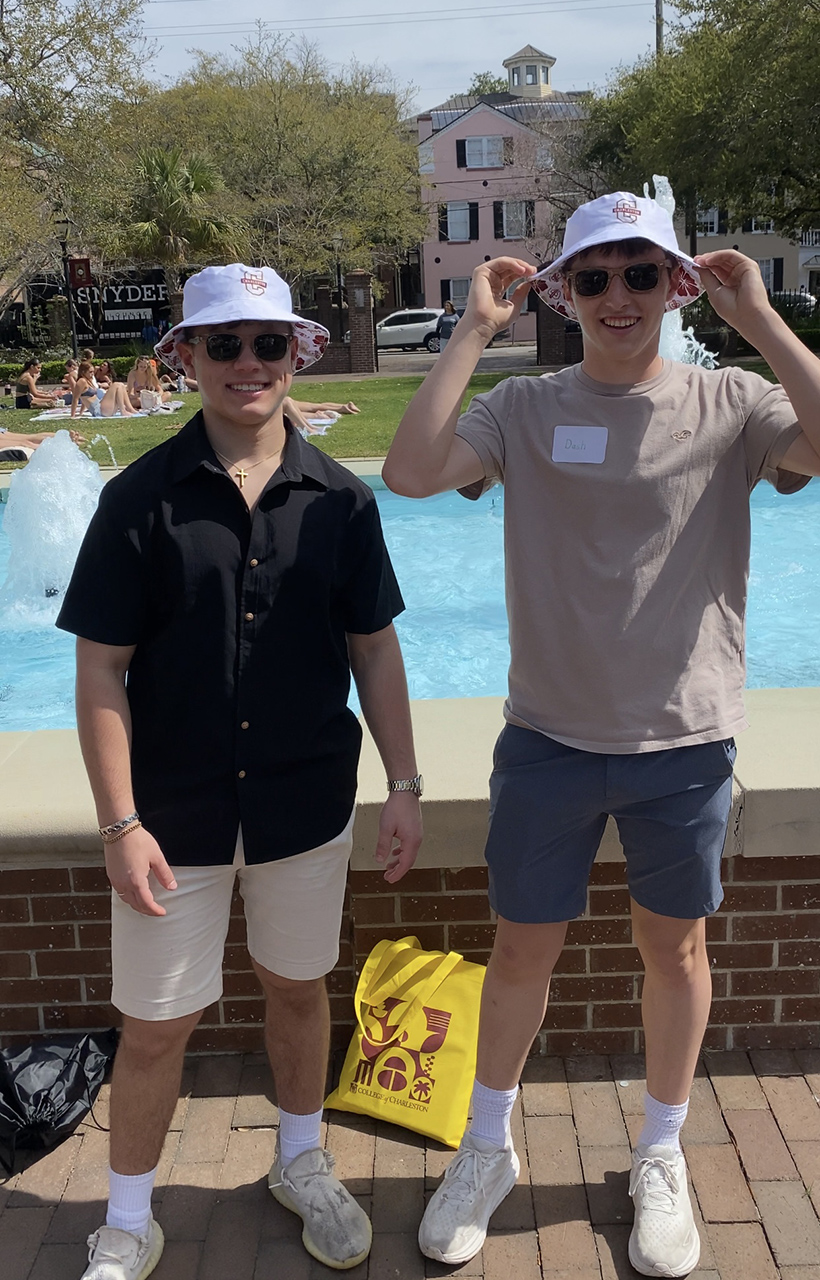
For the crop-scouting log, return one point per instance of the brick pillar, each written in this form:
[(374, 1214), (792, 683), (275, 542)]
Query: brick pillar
[(175, 300), (324, 305), (549, 334), (360, 311)]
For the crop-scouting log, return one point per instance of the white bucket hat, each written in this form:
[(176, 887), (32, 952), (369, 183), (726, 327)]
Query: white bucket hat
[(618, 216), (225, 295)]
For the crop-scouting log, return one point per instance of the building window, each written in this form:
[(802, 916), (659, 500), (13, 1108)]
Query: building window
[(532, 75), (709, 222), (485, 153), (513, 219), (767, 272), (458, 220), (459, 288), (762, 226), (516, 76), (545, 76)]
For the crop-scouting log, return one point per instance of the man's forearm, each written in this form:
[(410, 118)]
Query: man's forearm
[(382, 687), (104, 726), (796, 368), (422, 443)]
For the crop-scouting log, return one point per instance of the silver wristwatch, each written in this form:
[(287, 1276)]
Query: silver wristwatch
[(416, 785)]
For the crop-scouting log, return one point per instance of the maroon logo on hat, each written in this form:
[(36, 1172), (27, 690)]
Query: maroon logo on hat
[(627, 211), (256, 284)]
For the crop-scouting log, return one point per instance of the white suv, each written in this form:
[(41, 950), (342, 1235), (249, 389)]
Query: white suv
[(415, 327)]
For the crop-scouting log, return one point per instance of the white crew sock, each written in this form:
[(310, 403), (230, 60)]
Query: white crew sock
[(129, 1201), (662, 1124), (492, 1109), (298, 1134)]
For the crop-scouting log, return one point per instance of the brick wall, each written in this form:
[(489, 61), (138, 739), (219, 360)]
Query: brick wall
[(764, 944), (336, 359)]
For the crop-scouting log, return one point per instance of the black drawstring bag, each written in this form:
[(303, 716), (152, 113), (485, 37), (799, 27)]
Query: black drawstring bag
[(48, 1087)]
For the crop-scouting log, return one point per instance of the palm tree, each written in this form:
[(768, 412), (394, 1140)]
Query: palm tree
[(174, 219)]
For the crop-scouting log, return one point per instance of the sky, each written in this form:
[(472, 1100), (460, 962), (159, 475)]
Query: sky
[(434, 47)]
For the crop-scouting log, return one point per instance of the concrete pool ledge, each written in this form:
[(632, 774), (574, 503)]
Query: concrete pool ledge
[(47, 815)]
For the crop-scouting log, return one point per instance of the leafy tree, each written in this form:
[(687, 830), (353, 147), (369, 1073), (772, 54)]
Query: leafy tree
[(486, 82), (729, 112), (310, 156), (172, 220)]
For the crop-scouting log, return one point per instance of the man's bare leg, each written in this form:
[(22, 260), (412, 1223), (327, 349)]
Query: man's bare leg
[(514, 998), (144, 1090), (677, 996), (297, 1039)]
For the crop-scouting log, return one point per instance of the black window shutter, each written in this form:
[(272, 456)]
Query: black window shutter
[(529, 217), (509, 151), (498, 219), (473, 207), (777, 275), (746, 226), (445, 291), (461, 153), (723, 222), (443, 233)]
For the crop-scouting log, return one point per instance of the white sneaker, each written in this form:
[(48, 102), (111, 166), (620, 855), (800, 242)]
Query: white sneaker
[(336, 1229), (479, 1176), (121, 1255), (664, 1239)]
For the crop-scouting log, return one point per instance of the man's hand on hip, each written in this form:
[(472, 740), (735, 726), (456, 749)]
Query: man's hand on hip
[(129, 863), (400, 821)]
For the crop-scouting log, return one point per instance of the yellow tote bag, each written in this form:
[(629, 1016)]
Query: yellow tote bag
[(412, 1056)]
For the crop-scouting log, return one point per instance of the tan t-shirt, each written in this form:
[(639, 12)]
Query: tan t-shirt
[(626, 578)]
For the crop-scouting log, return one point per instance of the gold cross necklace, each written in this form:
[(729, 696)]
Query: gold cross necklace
[(241, 473)]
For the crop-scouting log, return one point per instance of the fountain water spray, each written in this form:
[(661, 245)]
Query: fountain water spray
[(51, 501), (677, 343)]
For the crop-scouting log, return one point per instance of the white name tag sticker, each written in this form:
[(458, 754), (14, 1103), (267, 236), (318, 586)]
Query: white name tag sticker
[(579, 444)]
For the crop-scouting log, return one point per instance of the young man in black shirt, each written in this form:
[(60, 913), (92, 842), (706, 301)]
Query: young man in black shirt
[(230, 581)]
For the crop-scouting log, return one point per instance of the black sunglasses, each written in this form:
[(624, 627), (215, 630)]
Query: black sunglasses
[(639, 277), (227, 346)]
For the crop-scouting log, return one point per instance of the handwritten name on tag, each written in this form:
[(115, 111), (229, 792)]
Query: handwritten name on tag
[(579, 444)]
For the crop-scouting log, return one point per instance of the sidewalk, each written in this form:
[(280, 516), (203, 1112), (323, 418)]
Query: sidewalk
[(752, 1142)]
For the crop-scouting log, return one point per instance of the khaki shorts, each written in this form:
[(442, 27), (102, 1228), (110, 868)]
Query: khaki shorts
[(171, 966)]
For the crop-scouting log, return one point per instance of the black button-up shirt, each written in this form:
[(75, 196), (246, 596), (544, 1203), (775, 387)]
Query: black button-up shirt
[(239, 682)]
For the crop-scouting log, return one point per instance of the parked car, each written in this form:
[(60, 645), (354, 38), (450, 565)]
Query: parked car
[(413, 327), (794, 302)]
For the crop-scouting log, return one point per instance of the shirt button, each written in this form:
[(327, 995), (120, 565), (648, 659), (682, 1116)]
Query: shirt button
[(241, 773), (249, 617), (245, 724), (254, 563)]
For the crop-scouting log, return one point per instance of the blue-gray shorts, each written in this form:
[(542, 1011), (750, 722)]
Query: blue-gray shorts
[(549, 805)]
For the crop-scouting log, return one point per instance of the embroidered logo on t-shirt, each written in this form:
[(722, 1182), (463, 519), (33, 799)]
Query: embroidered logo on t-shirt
[(627, 211), (681, 435)]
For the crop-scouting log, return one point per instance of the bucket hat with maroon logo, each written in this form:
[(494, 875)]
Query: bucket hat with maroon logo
[(226, 295), (618, 216)]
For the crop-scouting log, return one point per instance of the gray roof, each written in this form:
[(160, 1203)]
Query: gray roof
[(559, 106), (529, 51)]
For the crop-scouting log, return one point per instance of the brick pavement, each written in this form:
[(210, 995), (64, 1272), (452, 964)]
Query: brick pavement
[(752, 1142)]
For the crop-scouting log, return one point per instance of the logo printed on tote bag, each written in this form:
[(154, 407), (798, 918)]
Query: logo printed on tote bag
[(406, 1070)]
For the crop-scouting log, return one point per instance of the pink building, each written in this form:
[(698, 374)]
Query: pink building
[(485, 165)]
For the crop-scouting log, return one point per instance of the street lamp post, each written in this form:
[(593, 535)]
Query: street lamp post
[(338, 242), (62, 226)]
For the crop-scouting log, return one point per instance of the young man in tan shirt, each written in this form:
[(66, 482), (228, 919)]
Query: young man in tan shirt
[(627, 542)]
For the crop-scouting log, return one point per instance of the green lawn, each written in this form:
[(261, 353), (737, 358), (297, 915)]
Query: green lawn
[(366, 435)]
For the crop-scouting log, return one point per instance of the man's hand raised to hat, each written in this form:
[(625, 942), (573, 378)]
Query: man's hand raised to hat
[(734, 286), (488, 308)]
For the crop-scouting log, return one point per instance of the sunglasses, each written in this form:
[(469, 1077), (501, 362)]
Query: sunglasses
[(639, 277), (227, 346)]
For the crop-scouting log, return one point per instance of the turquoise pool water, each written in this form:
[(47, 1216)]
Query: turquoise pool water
[(448, 555)]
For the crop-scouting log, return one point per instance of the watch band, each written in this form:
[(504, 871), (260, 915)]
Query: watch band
[(416, 785)]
